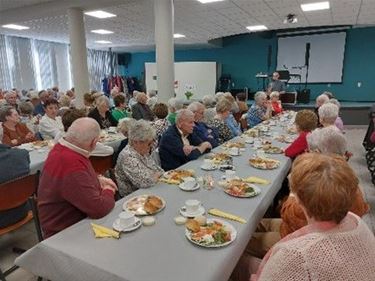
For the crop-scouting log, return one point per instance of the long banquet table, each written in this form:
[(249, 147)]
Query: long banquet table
[(158, 252)]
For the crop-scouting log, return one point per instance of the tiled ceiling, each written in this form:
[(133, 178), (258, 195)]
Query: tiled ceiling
[(134, 24)]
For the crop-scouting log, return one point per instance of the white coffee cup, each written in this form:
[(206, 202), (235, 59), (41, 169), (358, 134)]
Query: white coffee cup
[(230, 175), (234, 151), (126, 219), (192, 205), (207, 163), (189, 182), (249, 140)]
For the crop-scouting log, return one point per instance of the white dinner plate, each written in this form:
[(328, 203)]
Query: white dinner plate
[(184, 188), (210, 168)]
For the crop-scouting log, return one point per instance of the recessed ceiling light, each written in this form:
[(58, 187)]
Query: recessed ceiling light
[(101, 31), (178, 35), (103, 42), (209, 1), (315, 6), (16, 26), (100, 14), (257, 27)]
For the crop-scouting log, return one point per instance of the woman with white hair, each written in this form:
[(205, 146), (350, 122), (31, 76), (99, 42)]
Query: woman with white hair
[(135, 168), (259, 111), (101, 113), (328, 114), (174, 105), (209, 102), (338, 122), (319, 101)]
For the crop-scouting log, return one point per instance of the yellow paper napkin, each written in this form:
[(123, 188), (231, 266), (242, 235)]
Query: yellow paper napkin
[(256, 180), (222, 214), (103, 232)]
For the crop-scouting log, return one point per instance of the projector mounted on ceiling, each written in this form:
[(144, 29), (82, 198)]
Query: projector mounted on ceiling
[(290, 18)]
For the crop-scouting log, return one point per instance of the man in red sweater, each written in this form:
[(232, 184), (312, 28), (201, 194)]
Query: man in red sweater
[(69, 188)]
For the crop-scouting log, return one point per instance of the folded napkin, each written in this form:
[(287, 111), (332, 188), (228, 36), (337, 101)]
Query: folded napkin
[(168, 181), (256, 180), (103, 232), (219, 213)]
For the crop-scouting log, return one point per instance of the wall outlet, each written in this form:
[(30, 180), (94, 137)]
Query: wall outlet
[(359, 84)]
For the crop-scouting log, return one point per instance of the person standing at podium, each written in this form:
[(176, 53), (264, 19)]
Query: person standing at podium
[(276, 85)]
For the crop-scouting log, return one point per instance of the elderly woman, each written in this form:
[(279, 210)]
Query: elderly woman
[(15, 133), (101, 113), (338, 122), (324, 186), (201, 129), (119, 111), (141, 110), (261, 110), (161, 123), (50, 124), (123, 128), (152, 99), (231, 122), (319, 101), (328, 114), (135, 168), (326, 141), (209, 102), (174, 105), (26, 109), (305, 122), (276, 103), (223, 108), (64, 104)]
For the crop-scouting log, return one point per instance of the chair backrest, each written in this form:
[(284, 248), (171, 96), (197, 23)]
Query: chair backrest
[(101, 164), (17, 192)]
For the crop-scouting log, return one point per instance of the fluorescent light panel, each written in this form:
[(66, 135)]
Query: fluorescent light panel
[(315, 6), (257, 27), (100, 14), (103, 42), (16, 26), (178, 35), (209, 1), (101, 31)]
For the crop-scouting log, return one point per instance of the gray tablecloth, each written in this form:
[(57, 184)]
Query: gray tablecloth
[(160, 252)]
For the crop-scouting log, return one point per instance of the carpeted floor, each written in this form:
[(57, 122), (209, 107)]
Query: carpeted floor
[(355, 135)]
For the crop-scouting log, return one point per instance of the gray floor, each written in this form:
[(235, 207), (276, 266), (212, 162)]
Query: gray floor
[(26, 236)]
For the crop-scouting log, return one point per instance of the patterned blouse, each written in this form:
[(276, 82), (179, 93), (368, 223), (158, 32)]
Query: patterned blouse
[(224, 132), (134, 171), (255, 115), (160, 126)]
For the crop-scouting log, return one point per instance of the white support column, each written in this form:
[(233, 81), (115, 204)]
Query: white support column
[(78, 53), (164, 26)]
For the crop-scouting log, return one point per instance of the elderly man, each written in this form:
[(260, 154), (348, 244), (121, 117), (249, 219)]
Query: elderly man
[(141, 110), (69, 188), (43, 97), (14, 164), (276, 84), (179, 144), (201, 129), (11, 98), (261, 110)]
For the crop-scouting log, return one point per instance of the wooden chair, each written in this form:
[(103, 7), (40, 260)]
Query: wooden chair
[(14, 194), (101, 164)]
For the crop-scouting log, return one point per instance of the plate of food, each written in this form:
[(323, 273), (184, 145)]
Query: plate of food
[(144, 205), (284, 139), (39, 144), (178, 175), (252, 133), (264, 163), (272, 149), (239, 188), (230, 144), (214, 234), (220, 158)]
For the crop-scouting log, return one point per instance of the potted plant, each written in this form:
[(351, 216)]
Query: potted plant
[(188, 95)]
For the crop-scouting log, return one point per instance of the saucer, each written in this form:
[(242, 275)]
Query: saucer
[(184, 188), (199, 212), (234, 154), (116, 225), (209, 168)]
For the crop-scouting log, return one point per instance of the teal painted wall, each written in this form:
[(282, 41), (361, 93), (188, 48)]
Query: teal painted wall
[(243, 56)]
